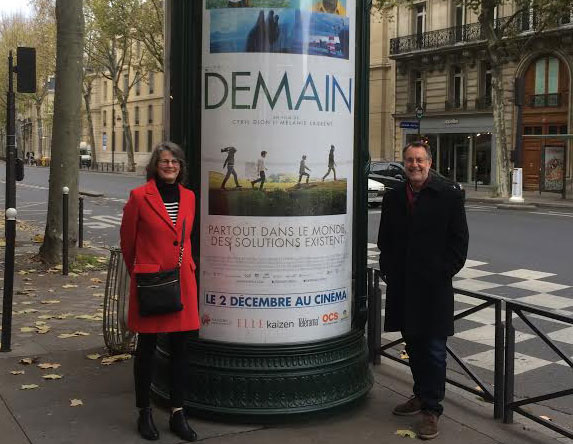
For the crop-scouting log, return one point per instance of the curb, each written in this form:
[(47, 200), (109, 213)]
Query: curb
[(518, 207), (90, 193), (500, 203)]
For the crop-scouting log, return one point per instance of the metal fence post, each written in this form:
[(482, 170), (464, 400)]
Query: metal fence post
[(377, 342), (498, 399), (508, 385), (10, 230), (65, 201), (81, 223)]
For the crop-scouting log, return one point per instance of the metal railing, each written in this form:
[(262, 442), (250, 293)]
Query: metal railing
[(450, 105), (544, 100), (484, 103), (471, 33), (510, 404), (502, 395), (105, 167)]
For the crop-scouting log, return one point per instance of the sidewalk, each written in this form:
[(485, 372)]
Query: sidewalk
[(49, 305), (540, 200)]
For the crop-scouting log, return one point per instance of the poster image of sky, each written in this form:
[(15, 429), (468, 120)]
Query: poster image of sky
[(287, 31), (337, 7)]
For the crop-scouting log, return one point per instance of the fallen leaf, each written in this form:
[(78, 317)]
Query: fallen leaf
[(93, 286), (72, 274), (27, 302), (404, 355), (27, 279), (27, 329), (96, 280), (58, 267), (69, 286), (39, 323), (76, 402), (46, 317), (38, 239), (52, 376), (405, 433), (94, 356), (29, 386), (43, 329), (50, 301), (49, 365), (96, 317), (99, 295), (478, 388), (18, 372), (22, 272), (51, 290), (115, 358), (546, 418), (28, 361)]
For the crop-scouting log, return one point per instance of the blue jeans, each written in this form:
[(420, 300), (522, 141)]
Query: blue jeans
[(428, 364)]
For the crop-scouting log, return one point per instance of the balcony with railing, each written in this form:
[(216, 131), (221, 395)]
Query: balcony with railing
[(456, 104), (471, 33), (544, 100), (412, 106), (484, 103)]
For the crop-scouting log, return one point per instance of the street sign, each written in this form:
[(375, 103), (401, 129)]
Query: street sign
[(410, 125), (419, 112)]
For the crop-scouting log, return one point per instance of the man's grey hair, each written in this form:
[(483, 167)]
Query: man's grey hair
[(418, 145)]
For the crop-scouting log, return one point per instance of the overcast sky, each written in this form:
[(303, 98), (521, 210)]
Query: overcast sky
[(10, 6)]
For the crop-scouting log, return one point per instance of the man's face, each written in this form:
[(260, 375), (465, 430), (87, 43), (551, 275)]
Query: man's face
[(417, 165)]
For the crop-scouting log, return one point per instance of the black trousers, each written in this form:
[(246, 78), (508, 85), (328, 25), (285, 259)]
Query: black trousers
[(428, 365), (143, 367)]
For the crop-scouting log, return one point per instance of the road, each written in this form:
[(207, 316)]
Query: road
[(102, 215)]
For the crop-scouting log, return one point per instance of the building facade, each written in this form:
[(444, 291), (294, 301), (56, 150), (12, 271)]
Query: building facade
[(442, 68), (145, 114), (382, 75)]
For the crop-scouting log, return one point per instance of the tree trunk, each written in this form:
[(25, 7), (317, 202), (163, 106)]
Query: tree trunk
[(66, 131), (40, 131), (486, 19), (501, 145), (126, 136), (87, 98)]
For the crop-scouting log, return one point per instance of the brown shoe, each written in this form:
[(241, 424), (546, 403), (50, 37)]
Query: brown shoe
[(411, 407), (429, 426)]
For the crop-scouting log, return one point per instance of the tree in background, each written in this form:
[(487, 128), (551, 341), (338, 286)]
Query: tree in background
[(503, 43), (119, 53), (42, 36), (66, 128), (150, 32)]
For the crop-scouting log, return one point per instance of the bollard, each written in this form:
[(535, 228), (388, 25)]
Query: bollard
[(65, 196), (10, 230), (476, 177), (81, 223)]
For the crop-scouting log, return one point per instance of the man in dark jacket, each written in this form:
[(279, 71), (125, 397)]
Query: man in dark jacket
[(423, 241)]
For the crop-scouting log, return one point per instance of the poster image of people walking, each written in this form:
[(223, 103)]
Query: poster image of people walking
[(267, 189), (331, 164)]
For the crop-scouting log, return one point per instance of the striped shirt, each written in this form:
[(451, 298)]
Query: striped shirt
[(172, 209)]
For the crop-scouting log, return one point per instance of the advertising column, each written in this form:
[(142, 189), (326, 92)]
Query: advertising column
[(278, 93)]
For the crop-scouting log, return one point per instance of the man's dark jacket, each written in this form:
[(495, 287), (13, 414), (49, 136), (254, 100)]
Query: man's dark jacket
[(420, 251)]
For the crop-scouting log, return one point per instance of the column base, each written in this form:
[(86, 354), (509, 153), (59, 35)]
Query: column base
[(266, 380)]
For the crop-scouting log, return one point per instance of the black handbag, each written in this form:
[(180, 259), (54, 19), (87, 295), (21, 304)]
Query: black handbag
[(160, 292)]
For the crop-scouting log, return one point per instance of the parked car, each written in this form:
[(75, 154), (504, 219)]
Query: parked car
[(392, 173), (375, 192)]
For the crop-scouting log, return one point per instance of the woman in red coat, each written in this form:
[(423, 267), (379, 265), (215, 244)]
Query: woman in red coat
[(151, 231)]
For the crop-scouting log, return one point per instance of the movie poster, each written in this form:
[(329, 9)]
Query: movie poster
[(278, 93), (553, 168)]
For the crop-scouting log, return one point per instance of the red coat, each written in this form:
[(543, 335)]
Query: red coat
[(150, 243)]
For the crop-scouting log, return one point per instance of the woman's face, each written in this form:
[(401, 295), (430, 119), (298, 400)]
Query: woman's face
[(168, 167)]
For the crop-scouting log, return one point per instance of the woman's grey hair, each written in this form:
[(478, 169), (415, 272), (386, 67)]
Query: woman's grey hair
[(418, 145), (177, 152)]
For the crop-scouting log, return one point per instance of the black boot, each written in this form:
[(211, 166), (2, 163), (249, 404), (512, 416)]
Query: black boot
[(145, 425), (178, 425)]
